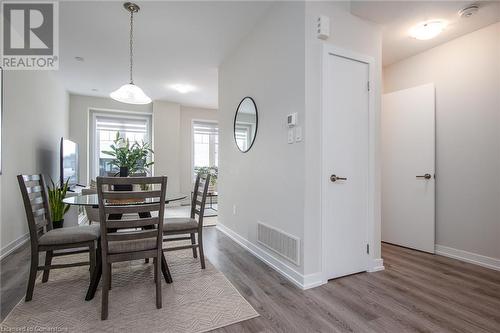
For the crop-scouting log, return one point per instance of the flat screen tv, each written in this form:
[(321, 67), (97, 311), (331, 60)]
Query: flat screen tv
[(69, 162)]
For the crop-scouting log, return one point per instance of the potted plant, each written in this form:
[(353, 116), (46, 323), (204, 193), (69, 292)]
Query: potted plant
[(129, 158), (214, 173), (57, 207)]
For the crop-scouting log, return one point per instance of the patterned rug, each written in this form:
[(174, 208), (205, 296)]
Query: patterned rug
[(198, 300)]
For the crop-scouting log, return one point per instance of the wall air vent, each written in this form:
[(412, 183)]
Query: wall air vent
[(284, 244)]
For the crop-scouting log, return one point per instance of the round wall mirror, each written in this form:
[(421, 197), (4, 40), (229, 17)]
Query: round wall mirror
[(245, 124)]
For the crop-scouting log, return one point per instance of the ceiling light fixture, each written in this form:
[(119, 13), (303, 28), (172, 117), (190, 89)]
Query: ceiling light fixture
[(182, 88), (427, 30), (130, 93)]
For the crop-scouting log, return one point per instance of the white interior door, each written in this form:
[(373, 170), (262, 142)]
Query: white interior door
[(408, 162), (346, 165)]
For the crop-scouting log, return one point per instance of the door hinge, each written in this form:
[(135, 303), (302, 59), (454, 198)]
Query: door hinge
[(367, 248), (368, 85)]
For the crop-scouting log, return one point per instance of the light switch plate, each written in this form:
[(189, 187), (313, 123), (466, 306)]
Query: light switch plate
[(298, 133), (290, 135)]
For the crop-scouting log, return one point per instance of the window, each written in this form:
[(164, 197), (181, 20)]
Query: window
[(205, 144), (135, 128), (242, 135)]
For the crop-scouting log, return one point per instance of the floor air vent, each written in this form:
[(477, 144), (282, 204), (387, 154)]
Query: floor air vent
[(280, 242)]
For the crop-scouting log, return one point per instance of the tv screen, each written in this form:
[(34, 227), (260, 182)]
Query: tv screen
[(69, 162)]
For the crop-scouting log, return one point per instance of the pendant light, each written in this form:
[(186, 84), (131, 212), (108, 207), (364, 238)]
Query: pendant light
[(130, 93)]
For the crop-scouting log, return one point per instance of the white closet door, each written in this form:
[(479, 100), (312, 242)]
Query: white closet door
[(346, 165), (408, 163)]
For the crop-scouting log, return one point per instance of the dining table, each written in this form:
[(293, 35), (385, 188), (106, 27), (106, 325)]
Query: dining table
[(92, 200)]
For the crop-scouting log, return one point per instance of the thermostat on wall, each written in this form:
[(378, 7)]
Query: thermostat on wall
[(291, 119)]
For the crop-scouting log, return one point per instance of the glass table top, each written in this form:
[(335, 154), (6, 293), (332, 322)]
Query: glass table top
[(92, 200)]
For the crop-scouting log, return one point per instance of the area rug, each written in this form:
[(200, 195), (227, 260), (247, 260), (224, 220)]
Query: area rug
[(197, 301)]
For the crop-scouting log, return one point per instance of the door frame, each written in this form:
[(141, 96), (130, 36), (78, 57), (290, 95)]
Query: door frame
[(372, 192)]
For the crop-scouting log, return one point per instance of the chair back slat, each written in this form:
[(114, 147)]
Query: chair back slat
[(36, 205), (114, 208), (200, 197), (134, 180), (34, 189), (132, 235), (39, 212), (38, 200), (136, 223), (40, 223), (30, 178), (140, 201), (127, 194)]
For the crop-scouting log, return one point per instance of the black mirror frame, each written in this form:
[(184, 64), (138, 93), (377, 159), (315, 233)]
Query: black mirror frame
[(256, 124)]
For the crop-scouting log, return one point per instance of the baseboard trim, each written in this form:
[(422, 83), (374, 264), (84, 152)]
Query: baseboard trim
[(313, 280), (298, 279), (14, 245), (470, 257), (377, 265)]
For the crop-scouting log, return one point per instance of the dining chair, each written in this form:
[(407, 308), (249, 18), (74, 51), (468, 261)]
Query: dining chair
[(44, 238), (130, 238), (189, 225)]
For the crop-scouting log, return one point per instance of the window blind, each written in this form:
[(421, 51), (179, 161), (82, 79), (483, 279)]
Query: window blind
[(131, 125), (205, 128)]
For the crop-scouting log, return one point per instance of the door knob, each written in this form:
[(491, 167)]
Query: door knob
[(426, 176), (334, 178)]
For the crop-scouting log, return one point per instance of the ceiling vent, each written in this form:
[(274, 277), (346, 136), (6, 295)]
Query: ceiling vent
[(468, 11)]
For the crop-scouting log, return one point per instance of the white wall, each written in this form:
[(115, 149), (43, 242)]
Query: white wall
[(35, 117), (466, 73), (267, 183), (279, 65), (166, 134), (188, 114), (351, 33), (79, 123)]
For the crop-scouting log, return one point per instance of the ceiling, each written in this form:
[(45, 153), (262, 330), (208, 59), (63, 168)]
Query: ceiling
[(397, 17), (175, 42), (185, 42)]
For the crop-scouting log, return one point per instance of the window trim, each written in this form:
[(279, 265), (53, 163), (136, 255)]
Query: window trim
[(93, 113), (191, 140)]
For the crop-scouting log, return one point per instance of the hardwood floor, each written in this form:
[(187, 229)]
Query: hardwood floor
[(417, 292)]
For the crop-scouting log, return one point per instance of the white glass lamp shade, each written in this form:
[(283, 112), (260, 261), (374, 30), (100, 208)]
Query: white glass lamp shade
[(130, 94)]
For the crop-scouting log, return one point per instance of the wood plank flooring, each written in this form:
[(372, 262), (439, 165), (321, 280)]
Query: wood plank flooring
[(417, 292)]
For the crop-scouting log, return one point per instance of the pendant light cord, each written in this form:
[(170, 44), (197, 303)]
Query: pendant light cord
[(131, 45)]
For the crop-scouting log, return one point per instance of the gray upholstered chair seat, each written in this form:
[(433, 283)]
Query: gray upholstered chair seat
[(179, 223), (70, 235), (132, 245)]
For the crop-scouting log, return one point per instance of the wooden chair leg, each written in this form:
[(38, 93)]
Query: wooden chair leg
[(106, 274), (158, 281), (32, 277), (193, 241), (200, 248), (155, 268), (92, 259), (48, 262), (110, 268)]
